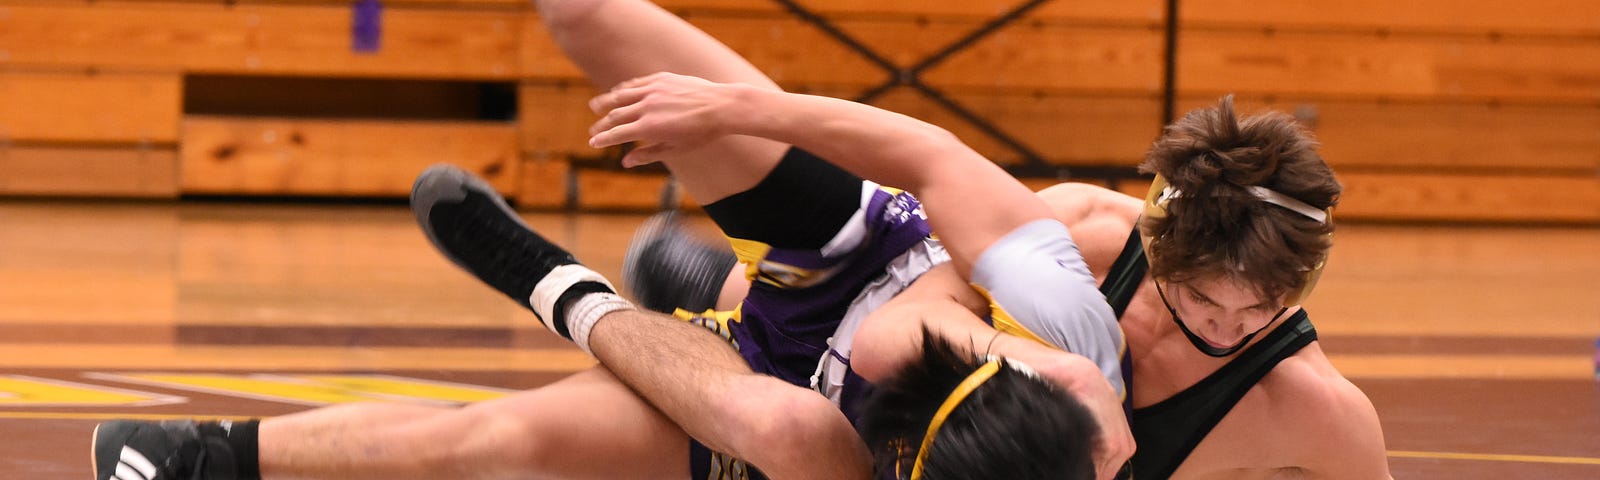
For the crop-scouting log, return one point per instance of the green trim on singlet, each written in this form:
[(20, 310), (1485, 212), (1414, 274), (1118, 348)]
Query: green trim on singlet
[(1168, 431)]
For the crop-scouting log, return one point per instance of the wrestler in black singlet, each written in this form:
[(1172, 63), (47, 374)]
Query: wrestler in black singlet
[(1169, 430)]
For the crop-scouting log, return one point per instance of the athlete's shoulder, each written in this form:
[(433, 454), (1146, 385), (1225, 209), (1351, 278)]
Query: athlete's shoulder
[(1073, 203), (1329, 413), (1099, 219), (1308, 379)]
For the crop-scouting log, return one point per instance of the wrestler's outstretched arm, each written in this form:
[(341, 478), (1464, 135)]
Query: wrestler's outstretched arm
[(991, 223), (972, 202)]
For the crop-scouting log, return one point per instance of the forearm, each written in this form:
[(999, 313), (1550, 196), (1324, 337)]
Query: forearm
[(971, 202), (693, 377), (976, 201), (879, 145), (674, 365)]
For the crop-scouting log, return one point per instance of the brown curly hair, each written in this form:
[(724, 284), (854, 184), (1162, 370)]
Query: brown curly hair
[(1216, 227)]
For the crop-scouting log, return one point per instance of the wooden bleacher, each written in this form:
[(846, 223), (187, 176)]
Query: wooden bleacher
[(1481, 114), (1429, 110)]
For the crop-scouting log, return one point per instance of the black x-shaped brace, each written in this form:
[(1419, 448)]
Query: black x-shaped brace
[(1034, 164), (912, 77)]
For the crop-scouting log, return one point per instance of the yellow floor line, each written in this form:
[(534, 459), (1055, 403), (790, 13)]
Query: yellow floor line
[(1492, 457), (279, 358)]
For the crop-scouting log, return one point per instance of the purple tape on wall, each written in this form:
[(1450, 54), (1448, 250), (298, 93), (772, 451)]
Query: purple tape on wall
[(366, 26)]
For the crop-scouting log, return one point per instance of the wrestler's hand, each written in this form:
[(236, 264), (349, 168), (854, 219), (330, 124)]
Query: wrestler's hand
[(662, 112), (1082, 379)]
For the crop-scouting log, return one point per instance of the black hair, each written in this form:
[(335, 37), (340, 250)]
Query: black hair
[(1015, 426)]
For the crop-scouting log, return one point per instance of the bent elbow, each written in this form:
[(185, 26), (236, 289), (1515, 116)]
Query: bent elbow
[(787, 431)]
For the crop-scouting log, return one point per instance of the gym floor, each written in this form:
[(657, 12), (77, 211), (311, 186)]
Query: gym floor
[(1476, 344)]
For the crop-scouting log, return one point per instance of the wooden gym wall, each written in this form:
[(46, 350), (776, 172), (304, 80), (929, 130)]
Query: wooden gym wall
[(1429, 110)]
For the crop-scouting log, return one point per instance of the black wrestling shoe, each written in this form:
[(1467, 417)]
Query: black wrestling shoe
[(170, 450), (666, 268), (474, 227)]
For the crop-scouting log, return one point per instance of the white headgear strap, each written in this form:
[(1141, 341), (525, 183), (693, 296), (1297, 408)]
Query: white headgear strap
[(1266, 195)]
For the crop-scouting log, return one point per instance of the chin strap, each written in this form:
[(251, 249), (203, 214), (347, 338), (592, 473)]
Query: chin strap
[(1200, 343)]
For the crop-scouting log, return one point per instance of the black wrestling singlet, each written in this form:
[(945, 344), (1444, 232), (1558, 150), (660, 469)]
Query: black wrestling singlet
[(1169, 430)]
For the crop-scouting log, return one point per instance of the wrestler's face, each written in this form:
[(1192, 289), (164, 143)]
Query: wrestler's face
[(1222, 311)]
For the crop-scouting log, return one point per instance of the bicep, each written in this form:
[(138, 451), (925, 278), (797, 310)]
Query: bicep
[(891, 336), (972, 203)]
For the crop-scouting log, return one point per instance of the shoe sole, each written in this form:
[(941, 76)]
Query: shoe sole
[(449, 183)]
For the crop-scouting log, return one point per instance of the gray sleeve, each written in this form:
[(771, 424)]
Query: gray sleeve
[(1038, 282)]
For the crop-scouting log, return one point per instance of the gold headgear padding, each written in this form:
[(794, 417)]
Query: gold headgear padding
[(973, 381), (1161, 192)]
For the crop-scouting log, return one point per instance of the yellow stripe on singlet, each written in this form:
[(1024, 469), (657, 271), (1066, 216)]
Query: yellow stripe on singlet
[(757, 268), (714, 320), (750, 253), (1004, 322)]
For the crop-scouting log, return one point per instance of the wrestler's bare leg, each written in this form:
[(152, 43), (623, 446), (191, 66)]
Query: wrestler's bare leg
[(617, 40), (580, 427)]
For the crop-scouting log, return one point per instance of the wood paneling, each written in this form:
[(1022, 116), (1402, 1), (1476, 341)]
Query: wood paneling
[(623, 191), (1028, 56), (554, 183), (1545, 17), (1066, 130), (1403, 196), (104, 107), (1069, 130), (1051, 57), (554, 119), (1444, 137), (330, 157), (545, 182), (89, 171), (1396, 66), (1097, 11), (789, 50), (1430, 110), (259, 39)]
